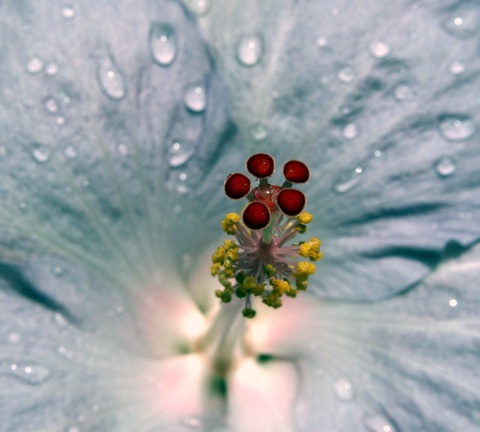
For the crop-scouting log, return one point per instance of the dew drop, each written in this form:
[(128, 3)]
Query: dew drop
[(444, 167), (348, 181), (456, 127), (350, 131), (110, 78), (456, 68), (322, 42), (60, 120), (28, 373), (195, 98), (122, 149), (346, 75), (68, 11), (14, 338), (259, 132), (64, 352), (402, 92), (180, 152), (249, 50), (51, 69), (198, 7), (59, 320), (464, 22), (378, 423), (51, 105), (163, 43), (34, 66), (377, 153), (70, 152), (343, 389), (178, 182), (41, 152), (379, 49), (453, 302)]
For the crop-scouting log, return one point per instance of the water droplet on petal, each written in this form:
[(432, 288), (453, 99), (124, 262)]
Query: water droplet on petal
[(34, 66), (68, 11), (72, 429), (14, 338), (180, 153), (41, 152), (29, 373), (51, 105), (51, 69), (350, 131), (378, 424), (57, 270), (456, 68), (110, 78), (453, 302), (456, 127), (402, 92), (198, 7), (379, 49), (70, 152), (122, 149), (444, 167), (322, 42), (59, 320), (343, 389), (60, 120), (348, 181), (195, 98), (259, 132), (464, 22), (64, 352), (163, 43), (249, 50), (346, 75)]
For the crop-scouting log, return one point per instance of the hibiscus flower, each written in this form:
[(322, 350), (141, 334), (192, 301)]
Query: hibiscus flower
[(119, 125)]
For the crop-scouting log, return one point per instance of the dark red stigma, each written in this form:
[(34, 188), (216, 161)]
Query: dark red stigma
[(237, 186), (296, 171), (291, 202), (260, 165), (256, 215)]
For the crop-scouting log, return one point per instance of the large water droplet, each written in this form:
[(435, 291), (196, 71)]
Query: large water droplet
[(28, 373), (379, 49), (198, 7), (464, 22), (343, 389), (68, 11), (180, 152), (346, 75), (34, 66), (51, 105), (249, 50), (259, 132), (110, 78), (378, 423), (41, 152), (195, 98), (163, 43), (456, 127), (444, 167), (348, 181)]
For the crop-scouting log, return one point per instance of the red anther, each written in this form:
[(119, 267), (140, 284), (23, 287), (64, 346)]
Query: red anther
[(260, 165), (291, 201), (237, 186), (296, 171), (256, 215)]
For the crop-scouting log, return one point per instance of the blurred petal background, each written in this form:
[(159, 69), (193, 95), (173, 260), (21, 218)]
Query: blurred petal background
[(118, 124)]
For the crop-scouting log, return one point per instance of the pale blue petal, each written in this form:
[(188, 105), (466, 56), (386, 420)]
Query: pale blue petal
[(380, 100), (410, 363), (88, 167)]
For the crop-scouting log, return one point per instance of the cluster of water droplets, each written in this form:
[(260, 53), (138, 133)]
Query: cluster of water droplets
[(25, 372)]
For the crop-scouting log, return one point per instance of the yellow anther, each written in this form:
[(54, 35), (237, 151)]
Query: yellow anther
[(229, 244), (280, 286), (229, 223), (311, 249), (215, 269), (304, 269), (305, 217), (219, 255)]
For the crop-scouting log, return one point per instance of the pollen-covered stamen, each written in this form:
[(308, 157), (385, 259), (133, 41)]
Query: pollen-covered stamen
[(260, 263)]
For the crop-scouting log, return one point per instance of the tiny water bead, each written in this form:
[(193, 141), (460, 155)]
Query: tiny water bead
[(350, 131), (68, 12), (51, 105), (379, 49), (343, 389), (111, 79), (163, 43), (444, 167), (34, 66), (456, 127), (51, 69), (195, 98), (28, 373), (41, 152), (346, 75), (198, 7), (456, 68), (378, 423), (464, 21), (180, 152), (259, 263), (258, 132), (347, 181), (249, 50)]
